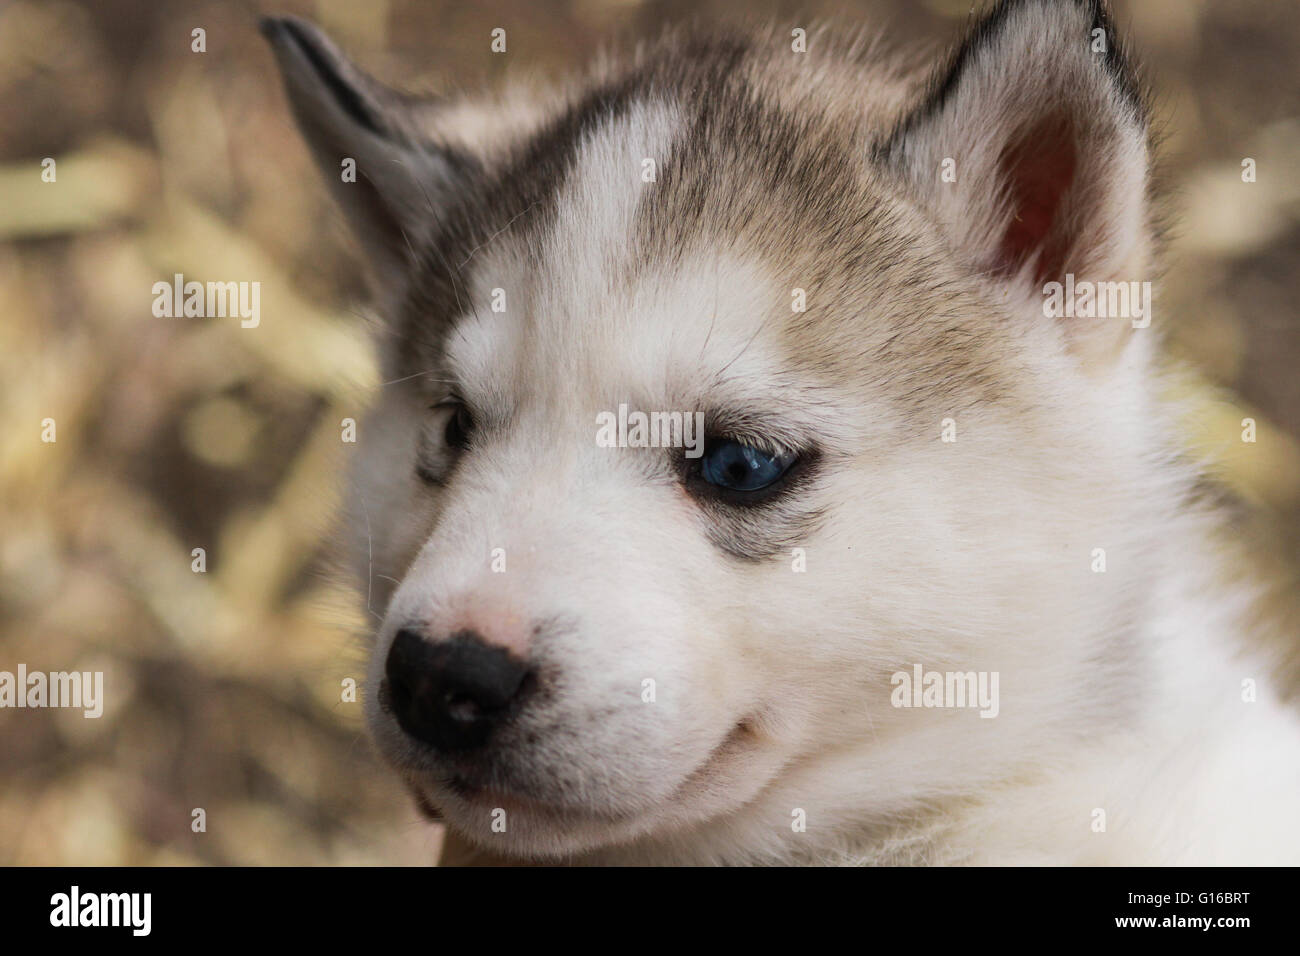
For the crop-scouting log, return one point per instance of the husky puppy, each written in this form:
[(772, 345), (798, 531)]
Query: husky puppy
[(933, 588)]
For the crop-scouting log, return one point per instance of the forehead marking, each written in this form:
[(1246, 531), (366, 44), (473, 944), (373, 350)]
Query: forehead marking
[(566, 278)]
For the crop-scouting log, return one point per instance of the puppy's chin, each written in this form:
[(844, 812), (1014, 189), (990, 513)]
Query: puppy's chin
[(523, 827)]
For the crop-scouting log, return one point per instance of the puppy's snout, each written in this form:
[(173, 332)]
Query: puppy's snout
[(451, 694)]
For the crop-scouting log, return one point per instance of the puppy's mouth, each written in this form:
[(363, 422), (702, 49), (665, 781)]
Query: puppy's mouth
[(743, 739), (436, 794)]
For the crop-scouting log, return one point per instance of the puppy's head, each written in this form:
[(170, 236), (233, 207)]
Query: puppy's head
[(600, 628)]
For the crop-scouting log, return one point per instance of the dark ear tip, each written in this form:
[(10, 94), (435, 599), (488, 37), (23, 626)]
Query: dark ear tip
[(281, 29), (270, 27), (314, 67)]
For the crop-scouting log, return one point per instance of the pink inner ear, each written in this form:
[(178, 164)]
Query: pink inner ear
[(1038, 168)]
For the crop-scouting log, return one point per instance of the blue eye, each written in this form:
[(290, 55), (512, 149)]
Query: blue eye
[(729, 464)]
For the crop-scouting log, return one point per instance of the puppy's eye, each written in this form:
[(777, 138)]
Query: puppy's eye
[(434, 459), (736, 467), (460, 425)]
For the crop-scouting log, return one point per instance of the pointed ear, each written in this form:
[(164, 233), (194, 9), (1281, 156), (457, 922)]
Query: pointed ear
[(401, 176), (1040, 120)]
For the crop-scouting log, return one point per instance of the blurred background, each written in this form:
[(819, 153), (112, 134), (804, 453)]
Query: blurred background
[(225, 687)]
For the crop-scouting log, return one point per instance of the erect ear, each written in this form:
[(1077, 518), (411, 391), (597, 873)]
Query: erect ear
[(1031, 148), (401, 176)]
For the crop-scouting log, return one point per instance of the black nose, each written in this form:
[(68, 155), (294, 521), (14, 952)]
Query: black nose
[(451, 694)]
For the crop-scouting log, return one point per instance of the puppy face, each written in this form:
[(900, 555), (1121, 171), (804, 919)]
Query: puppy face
[(586, 646), (638, 595)]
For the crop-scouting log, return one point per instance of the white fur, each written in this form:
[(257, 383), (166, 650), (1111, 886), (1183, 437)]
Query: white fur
[(1121, 692)]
